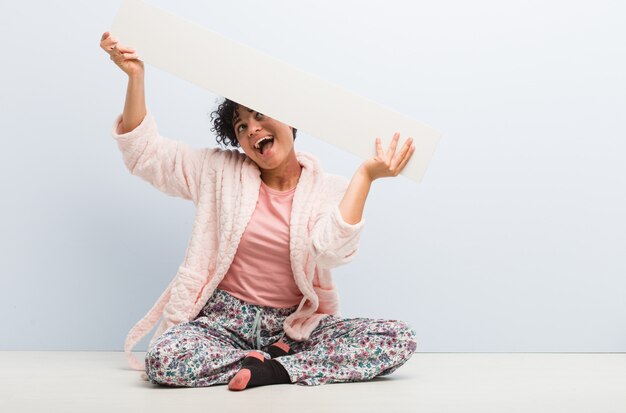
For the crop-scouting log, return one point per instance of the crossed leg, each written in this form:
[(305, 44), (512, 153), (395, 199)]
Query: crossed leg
[(193, 354), (349, 349)]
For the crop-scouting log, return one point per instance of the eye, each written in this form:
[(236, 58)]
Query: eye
[(240, 126), (259, 115)]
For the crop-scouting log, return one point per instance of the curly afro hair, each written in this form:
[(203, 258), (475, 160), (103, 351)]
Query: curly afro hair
[(222, 119)]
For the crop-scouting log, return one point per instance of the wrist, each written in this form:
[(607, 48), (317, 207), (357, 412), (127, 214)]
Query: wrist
[(135, 77), (364, 174)]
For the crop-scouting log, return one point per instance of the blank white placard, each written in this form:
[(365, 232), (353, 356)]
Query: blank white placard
[(317, 107)]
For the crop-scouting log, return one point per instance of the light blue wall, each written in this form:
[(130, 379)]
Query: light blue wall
[(514, 241)]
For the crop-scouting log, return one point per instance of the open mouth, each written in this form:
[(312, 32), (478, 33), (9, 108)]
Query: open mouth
[(263, 145)]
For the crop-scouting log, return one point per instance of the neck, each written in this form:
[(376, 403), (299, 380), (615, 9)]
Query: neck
[(285, 176)]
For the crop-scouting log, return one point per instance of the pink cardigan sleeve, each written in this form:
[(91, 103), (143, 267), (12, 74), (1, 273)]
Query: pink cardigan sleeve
[(333, 241), (171, 166)]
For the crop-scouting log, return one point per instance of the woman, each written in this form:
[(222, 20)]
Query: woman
[(253, 302)]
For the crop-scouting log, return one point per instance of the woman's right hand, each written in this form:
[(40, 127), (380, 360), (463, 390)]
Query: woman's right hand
[(124, 57)]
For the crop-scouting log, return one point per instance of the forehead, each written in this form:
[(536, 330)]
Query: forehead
[(241, 112)]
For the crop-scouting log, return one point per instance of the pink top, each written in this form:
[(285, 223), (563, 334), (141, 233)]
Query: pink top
[(261, 270)]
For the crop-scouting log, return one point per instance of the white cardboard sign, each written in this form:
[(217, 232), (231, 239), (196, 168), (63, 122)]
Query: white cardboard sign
[(318, 108)]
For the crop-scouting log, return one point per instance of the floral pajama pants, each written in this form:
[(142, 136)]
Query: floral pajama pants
[(210, 349)]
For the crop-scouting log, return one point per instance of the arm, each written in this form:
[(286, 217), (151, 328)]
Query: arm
[(336, 232), (353, 201), (333, 241), (135, 104), (171, 166), (126, 58), (382, 165)]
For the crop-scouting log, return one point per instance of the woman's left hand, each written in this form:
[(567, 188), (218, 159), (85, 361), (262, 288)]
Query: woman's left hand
[(389, 163), (383, 164)]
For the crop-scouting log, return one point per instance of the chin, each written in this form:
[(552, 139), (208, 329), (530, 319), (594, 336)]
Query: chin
[(268, 165), (275, 162)]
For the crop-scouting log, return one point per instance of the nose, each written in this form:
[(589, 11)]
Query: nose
[(253, 128)]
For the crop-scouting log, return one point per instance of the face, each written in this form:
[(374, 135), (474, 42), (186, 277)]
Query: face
[(268, 142)]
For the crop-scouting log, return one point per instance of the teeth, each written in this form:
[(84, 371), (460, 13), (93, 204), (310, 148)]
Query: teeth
[(258, 143)]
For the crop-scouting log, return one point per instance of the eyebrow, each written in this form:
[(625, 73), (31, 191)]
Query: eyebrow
[(236, 117)]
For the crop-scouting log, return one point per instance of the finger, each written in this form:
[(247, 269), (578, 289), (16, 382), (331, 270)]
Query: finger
[(125, 49), (116, 55), (406, 159), (109, 44), (106, 43), (392, 147), (124, 46), (123, 52), (105, 35), (379, 149), (401, 155), (129, 56)]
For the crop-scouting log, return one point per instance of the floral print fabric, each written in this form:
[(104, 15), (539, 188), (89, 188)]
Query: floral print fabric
[(209, 350)]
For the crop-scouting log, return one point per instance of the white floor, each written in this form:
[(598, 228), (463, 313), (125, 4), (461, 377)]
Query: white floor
[(429, 382)]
